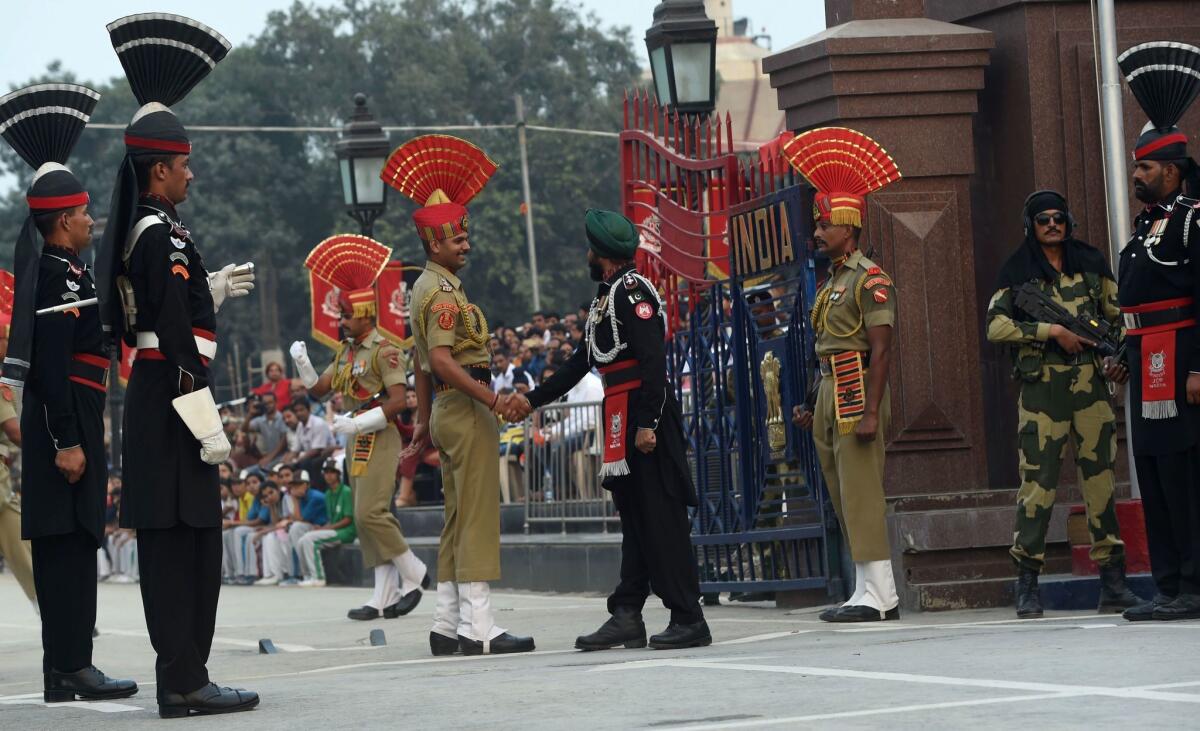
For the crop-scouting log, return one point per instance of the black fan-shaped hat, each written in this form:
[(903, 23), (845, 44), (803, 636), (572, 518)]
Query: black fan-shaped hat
[(164, 57), (42, 123), (1164, 77)]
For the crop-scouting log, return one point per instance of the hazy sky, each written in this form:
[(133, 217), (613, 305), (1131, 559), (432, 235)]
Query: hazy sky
[(79, 40)]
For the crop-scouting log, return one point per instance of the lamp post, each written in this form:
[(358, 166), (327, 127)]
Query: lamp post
[(361, 152), (682, 43)]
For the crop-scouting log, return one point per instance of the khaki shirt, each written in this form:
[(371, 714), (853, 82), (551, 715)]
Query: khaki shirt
[(362, 370), (441, 316), (8, 450), (857, 296)]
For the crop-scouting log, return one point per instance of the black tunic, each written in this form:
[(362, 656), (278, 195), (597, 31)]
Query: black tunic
[(165, 481), (1143, 280), (652, 406), (58, 412)]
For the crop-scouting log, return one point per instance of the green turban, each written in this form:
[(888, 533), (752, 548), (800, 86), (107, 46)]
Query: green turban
[(610, 234)]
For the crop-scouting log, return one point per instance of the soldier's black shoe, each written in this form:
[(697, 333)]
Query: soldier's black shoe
[(441, 645), (1144, 612), (1029, 602), (680, 636), (1115, 596), (501, 645), (1184, 606), (827, 615), (863, 613), (88, 684), (363, 613), (624, 627), (209, 700), (407, 603)]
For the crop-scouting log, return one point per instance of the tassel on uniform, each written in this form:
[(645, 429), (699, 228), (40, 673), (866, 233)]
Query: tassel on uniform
[(1159, 410), (614, 469)]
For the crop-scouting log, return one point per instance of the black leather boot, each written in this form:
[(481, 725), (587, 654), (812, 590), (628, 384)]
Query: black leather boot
[(1029, 602), (624, 627), (862, 613), (1144, 612), (407, 603), (88, 684), (441, 645), (501, 645), (680, 636), (208, 700), (1184, 606), (1115, 596), (363, 613)]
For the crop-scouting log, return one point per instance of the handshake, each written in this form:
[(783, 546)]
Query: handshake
[(513, 407)]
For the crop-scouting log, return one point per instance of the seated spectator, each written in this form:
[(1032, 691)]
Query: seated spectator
[(244, 453), (512, 436), (268, 426), (308, 511), (339, 529), (505, 374), (239, 563), (276, 385), (300, 393), (314, 442), (273, 509), (533, 357), (291, 436)]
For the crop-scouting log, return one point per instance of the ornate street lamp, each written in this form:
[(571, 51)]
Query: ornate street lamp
[(361, 152), (682, 43)]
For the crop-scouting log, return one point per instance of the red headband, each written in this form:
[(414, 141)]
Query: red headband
[(179, 148), (54, 203)]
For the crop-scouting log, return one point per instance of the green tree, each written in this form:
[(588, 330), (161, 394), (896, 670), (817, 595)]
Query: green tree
[(270, 197)]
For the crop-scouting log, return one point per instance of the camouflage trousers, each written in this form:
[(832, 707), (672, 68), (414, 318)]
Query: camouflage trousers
[(1069, 403)]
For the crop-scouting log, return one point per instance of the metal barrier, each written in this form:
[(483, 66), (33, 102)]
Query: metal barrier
[(563, 451)]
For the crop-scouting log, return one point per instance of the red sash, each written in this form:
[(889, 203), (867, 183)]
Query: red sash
[(616, 418), (1157, 367)]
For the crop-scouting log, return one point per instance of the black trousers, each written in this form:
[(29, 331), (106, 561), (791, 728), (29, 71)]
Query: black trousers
[(181, 580), (64, 576), (1170, 486), (656, 553)]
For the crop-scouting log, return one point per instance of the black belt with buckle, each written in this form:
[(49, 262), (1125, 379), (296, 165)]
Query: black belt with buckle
[(1140, 320), (477, 373)]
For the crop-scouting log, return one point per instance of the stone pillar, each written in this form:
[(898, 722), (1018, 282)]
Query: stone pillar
[(912, 84)]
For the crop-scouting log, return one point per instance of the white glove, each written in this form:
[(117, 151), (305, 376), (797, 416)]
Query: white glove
[(365, 423), (199, 412), (304, 366), (231, 281)]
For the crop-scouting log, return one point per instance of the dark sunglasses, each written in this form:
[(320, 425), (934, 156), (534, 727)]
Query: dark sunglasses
[(1045, 218)]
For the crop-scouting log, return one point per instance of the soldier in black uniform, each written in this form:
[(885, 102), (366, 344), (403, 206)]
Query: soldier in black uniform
[(61, 360), (1159, 294), (159, 297), (645, 455)]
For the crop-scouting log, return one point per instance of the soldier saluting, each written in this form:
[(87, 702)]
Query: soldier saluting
[(853, 317), (61, 361), (157, 295), (1159, 293), (645, 455)]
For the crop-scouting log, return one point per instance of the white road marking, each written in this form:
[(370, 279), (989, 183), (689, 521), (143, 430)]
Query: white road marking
[(764, 637), (98, 706), (790, 720)]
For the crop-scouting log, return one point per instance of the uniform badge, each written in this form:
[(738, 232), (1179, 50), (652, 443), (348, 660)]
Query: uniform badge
[(360, 367), (637, 296), (875, 282), (72, 286), (873, 271), (644, 310), (880, 295), (75, 271), (181, 270), (178, 244), (616, 429), (630, 282), (446, 321), (836, 295), (446, 286)]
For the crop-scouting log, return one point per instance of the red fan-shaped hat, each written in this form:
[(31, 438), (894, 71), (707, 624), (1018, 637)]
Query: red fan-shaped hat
[(351, 263), (844, 165), (441, 174)]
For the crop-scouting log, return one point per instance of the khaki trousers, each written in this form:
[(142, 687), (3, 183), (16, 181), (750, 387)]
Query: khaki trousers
[(467, 436), (378, 530), (853, 472), (16, 552)]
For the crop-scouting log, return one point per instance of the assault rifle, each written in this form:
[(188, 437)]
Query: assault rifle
[(1042, 308)]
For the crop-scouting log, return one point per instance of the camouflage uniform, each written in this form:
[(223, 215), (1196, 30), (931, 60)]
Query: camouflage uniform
[(1063, 397)]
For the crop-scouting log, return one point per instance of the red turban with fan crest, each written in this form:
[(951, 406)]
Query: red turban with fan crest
[(441, 174), (844, 165), (351, 263)]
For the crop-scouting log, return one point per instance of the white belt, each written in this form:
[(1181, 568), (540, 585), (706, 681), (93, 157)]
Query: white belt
[(206, 347)]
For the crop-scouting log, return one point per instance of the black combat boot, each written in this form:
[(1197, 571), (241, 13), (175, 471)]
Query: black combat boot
[(1029, 602), (681, 636), (624, 627), (441, 645), (1184, 606), (1115, 596), (1144, 612)]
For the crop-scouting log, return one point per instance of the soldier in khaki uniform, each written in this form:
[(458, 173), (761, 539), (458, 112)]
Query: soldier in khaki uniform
[(853, 317), (371, 374), (456, 405), (14, 550), (1063, 396)]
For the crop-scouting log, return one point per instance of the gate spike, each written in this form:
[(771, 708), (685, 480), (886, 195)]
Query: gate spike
[(625, 109)]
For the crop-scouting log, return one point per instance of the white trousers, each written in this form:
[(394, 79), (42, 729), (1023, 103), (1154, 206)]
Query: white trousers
[(446, 615), (122, 548), (308, 548), (475, 618), (874, 586), (241, 553)]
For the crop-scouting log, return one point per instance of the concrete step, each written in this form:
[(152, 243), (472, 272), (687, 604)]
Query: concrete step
[(427, 520), (553, 562), (1058, 591)]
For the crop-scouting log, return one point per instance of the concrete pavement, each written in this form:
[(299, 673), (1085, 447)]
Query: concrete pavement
[(767, 669)]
